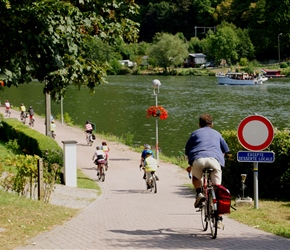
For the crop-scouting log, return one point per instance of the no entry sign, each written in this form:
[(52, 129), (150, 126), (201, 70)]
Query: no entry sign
[(255, 133)]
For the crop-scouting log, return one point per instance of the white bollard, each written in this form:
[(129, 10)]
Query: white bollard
[(70, 163)]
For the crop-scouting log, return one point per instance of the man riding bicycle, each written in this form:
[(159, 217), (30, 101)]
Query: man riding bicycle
[(205, 148)]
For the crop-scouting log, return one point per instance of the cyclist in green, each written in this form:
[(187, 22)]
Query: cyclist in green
[(150, 164)]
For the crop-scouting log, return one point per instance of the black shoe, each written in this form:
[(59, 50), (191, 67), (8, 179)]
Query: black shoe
[(144, 177), (148, 187), (157, 178)]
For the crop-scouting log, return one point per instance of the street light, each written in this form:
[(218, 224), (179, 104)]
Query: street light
[(279, 46), (156, 84)]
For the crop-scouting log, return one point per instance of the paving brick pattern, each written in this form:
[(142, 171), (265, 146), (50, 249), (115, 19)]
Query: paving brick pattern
[(126, 216)]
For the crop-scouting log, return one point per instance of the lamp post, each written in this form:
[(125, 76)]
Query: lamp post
[(156, 84), (279, 46)]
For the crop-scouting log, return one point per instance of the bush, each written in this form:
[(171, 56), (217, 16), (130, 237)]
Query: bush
[(244, 62), (272, 176), (283, 65)]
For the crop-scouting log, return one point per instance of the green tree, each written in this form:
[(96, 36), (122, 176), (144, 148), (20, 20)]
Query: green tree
[(48, 40), (167, 50), (229, 43)]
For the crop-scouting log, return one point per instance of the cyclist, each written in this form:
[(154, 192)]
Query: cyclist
[(106, 149), (52, 129), (88, 127), (143, 156), (150, 164), (22, 111), (31, 115), (205, 148), (98, 155), (7, 107)]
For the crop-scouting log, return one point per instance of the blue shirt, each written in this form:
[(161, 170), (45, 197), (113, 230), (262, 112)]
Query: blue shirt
[(206, 142)]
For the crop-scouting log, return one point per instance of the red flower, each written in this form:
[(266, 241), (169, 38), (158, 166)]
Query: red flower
[(158, 111)]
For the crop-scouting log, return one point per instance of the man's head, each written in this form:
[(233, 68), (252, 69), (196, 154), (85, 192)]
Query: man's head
[(205, 120), (147, 146)]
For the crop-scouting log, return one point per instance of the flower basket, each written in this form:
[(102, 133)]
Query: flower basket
[(157, 111)]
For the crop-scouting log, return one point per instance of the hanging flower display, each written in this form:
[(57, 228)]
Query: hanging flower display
[(157, 111)]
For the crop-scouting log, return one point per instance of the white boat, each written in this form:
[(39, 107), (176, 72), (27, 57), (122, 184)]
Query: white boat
[(238, 78)]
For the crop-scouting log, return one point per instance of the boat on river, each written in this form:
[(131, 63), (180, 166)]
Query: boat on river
[(238, 78), (272, 73)]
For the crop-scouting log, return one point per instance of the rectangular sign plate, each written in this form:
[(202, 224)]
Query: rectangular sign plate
[(253, 156)]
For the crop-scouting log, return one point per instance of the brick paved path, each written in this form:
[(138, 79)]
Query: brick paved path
[(126, 216)]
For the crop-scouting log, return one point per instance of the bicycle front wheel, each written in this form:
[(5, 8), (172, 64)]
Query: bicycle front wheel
[(213, 216), (204, 216)]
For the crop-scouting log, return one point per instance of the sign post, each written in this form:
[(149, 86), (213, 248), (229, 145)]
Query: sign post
[(255, 133)]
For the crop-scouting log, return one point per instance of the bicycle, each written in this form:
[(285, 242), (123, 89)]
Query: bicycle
[(7, 112), (31, 121), (101, 169), (89, 138), (23, 117), (53, 134), (209, 209), (152, 184)]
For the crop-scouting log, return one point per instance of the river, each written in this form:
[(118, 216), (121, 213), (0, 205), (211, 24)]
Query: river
[(119, 107)]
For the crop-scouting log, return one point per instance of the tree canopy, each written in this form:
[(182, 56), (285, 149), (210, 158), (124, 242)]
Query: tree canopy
[(47, 40)]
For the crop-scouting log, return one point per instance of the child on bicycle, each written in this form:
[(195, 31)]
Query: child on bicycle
[(143, 157), (22, 111), (7, 107), (205, 148), (150, 164), (98, 155)]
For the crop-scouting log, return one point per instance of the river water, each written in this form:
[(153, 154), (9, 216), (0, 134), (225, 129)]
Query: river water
[(119, 107)]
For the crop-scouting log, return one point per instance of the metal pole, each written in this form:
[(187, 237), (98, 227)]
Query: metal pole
[(279, 46), (61, 109), (157, 149), (156, 84), (256, 193)]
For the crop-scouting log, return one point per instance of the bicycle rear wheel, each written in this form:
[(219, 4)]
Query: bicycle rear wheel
[(102, 174), (154, 184), (204, 216), (213, 216)]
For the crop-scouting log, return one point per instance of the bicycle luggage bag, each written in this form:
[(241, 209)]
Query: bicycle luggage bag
[(224, 200)]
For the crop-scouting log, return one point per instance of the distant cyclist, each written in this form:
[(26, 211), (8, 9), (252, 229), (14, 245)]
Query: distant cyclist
[(88, 127), (7, 107), (205, 148), (22, 111), (150, 165), (31, 115)]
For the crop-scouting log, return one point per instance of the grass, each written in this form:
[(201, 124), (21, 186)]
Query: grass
[(22, 218), (271, 216)]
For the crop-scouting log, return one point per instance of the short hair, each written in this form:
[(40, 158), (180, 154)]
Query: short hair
[(205, 120)]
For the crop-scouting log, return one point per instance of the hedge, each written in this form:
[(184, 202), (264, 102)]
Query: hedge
[(273, 178), (31, 141)]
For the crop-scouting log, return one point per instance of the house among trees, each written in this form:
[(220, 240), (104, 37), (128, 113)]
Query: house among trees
[(194, 60)]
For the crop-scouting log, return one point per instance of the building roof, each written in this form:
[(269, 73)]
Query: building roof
[(198, 55)]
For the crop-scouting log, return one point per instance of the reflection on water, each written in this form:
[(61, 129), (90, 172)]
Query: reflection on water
[(120, 106)]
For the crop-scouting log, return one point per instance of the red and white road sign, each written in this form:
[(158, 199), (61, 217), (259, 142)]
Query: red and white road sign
[(255, 133)]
